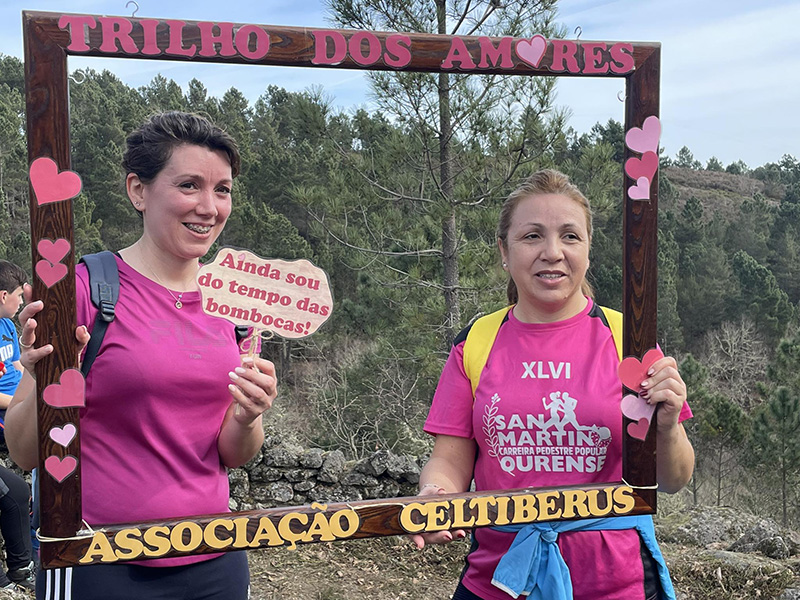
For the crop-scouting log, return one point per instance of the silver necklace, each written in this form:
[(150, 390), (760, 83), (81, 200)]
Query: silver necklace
[(178, 303)]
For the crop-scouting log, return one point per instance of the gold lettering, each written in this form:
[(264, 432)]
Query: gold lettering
[(547, 505), (438, 519), (353, 523), (406, 520), (623, 497), (266, 531), (594, 506), (124, 542), (460, 514), (482, 504), (575, 499), (320, 527), (285, 528), (195, 536), (210, 533), (525, 509), (240, 525), (502, 510), (100, 546), (159, 542)]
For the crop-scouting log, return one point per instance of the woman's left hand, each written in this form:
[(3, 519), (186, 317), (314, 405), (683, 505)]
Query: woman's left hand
[(666, 387), (253, 387)]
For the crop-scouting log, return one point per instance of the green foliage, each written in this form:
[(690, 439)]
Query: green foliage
[(254, 225), (761, 298), (685, 159), (695, 376), (784, 370), (163, 94), (103, 110), (775, 441), (714, 164), (722, 426), (750, 229), (705, 280), (670, 335), (738, 167)]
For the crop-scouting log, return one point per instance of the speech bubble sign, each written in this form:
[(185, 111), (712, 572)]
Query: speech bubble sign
[(291, 298)]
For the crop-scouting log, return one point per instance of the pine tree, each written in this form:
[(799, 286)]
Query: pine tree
[(723, 426), (775, 442), (469, 136)]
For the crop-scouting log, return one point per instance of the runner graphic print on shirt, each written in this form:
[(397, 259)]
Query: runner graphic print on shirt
[(552, 441)]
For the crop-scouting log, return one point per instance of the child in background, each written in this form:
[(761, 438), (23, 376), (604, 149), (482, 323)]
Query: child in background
[(14, 492)]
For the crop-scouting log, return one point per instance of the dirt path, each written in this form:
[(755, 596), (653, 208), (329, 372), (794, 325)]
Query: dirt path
[(381, 568)]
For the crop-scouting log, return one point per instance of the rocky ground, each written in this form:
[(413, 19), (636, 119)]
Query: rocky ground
[(713, 554)]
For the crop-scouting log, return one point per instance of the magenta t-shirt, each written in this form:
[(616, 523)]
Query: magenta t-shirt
[(546, 413), (155, 399)]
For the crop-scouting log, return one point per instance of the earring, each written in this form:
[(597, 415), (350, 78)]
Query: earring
[(505, 265)]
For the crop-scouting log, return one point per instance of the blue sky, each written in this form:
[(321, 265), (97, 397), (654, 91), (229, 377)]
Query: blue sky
[(730, 79)]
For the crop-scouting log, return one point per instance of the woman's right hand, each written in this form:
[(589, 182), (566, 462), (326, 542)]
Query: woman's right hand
[(30, 355), (438, 537)]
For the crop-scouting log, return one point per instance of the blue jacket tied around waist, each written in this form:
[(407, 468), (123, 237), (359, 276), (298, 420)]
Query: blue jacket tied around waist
[(534, 567)]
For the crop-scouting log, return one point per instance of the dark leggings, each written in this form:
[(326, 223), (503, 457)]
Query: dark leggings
[(463, 593), (15, 520), (223, 578)]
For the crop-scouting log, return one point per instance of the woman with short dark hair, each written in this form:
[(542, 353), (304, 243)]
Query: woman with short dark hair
[(169, 402)]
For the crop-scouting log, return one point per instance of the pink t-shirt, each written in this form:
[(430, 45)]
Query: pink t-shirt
[(155, 399), (546, 413)]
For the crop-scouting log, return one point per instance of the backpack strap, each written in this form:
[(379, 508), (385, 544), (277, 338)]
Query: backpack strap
[(104, 287), (479, 342), (614, 322), (483, 332)]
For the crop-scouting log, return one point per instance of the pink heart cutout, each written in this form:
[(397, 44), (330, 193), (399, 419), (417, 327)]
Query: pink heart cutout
[(53, 251), (640, 191), (532, 51), (59, 468), (68, 392), (635, 408), (63, 435), (50, 273), (632, 372), (51, 186), (639, 429), (646, 166), (644, 139)]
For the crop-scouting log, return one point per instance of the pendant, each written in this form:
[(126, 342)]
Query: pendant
[(178, 304)]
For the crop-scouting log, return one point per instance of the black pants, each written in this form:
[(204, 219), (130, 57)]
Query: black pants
[(223, 578), (15, 521)]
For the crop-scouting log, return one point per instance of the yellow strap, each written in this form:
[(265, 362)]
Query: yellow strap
[(614, 319), (479, 342), (483, 332)]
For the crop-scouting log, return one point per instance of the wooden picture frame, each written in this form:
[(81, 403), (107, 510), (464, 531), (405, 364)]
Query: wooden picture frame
[(51, 37)]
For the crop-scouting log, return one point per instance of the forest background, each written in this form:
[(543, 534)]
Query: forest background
[(398, 203)]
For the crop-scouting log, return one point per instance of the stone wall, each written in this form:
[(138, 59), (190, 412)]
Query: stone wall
[(285, 474)]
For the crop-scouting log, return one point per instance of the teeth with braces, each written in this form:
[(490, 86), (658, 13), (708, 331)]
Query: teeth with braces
[(549, 275), (198, 228)]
